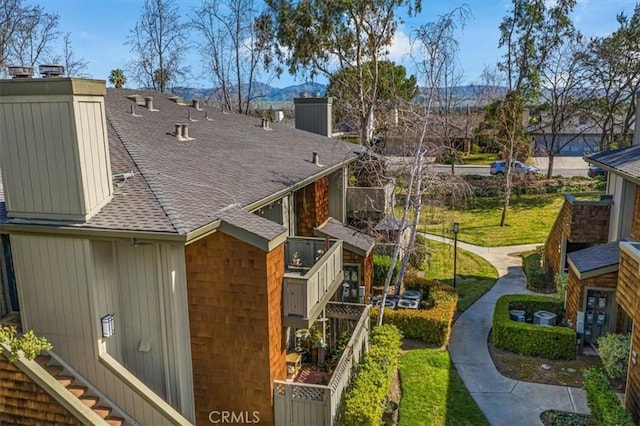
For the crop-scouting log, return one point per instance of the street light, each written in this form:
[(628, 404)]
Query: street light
[(456, 229)]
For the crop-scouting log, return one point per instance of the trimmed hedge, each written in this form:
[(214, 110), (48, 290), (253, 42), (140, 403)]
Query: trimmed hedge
[(381, 264), (432, 325), (537, 279), (604, 403), (365, 400), (529, 339)]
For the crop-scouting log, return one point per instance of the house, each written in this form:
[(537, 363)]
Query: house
[(597, 243), (151, 241)]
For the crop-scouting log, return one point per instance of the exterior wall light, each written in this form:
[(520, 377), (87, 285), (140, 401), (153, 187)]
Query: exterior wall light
[(108, 328)]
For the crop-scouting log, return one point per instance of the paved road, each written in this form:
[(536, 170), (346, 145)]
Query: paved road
[(564, 166), (504, 401)]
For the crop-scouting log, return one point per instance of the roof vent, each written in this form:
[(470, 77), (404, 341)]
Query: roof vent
[(316, 95), (206, 116), (20, 71), (148, 102), (189, 116), (316, 159), (265, 124), (133, 112), (304, 95), (182, 132), (195, 103), (51, 70)]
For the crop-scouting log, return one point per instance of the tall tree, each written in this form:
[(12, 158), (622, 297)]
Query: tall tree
[(27, 33), (395, 86), (230, 48), (73, 66), (328, 36), (563, 100), (613, 67), (117, 78), (159, 43), (530, 31)]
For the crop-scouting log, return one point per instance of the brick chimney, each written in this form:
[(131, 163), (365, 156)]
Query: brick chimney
[(314, 114), (54, 152)]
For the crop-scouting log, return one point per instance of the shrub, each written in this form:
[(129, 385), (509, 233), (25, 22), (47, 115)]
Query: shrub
[(529, 339), (28, 344), (536, 274), (431, 325), (562, 281), (614, 353), (381, 264), (365, 400), (604, 403)]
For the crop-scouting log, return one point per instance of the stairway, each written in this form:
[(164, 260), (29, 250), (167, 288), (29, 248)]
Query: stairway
[(79, 390)]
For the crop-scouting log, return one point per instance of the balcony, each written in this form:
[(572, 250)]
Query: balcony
[(310, 284), (379, 200), (309, 404)]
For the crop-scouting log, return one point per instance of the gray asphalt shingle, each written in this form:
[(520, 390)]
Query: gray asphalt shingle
[(597, 257), (625, 160)]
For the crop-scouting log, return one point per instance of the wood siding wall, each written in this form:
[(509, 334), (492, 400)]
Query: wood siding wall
[(312, 206), (235, 315), (366, 268), (23, 402), (635, 224), (578, 222), (576, 291), (66, 285), (55, 156), (628, 297)]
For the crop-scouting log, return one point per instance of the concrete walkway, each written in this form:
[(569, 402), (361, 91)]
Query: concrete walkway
[(503, 401)]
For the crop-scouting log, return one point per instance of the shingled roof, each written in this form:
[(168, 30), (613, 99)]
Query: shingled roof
[(624, 161), (162, 184), (595, 261)]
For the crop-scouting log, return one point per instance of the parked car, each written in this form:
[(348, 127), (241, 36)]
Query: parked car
[(498, 168), (595, 171)]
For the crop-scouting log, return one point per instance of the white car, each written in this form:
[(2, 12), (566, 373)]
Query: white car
[(498, 168)]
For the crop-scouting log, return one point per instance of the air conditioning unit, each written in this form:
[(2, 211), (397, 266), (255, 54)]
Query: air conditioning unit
[(544, 318)]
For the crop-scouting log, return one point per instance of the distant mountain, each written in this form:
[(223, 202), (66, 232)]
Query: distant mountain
[(471, 95), (261, 92)]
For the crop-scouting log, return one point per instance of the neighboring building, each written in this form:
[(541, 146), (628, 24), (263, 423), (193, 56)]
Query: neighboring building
[(172, 227)]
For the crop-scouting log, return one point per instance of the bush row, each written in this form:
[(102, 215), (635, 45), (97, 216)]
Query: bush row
[(432, 325), (381, 264), (529, 339), (365, 400), (493, 186), (537, 279), (604, 403)]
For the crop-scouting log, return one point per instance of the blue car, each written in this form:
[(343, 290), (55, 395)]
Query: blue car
[(595, 171)]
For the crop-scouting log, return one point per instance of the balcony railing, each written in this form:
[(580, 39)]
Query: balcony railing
[(378, 199), (307, 404), (308, 287)]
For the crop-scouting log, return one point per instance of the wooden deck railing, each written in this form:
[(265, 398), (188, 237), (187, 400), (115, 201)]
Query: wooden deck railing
[(307, 404)]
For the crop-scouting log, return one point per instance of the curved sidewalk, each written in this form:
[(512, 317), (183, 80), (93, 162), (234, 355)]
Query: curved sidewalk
[(503, 401)]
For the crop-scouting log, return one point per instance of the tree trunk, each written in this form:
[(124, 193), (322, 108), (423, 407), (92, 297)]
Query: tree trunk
[(550, 156), (507, 191)]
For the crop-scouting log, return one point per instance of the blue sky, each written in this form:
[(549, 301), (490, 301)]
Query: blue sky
[(99, 29)]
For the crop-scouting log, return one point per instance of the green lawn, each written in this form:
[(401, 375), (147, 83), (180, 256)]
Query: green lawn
[(474, 278), (481, 159), (433, 393), (529, 220)]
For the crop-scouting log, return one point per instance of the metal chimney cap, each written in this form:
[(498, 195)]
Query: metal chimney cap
[(304, 95), (20, 71), (51, 70)]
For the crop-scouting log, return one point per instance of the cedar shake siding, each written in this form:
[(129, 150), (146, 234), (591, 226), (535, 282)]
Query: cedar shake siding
[(580, 222), (576, 291), (635, 223), (312, 206), (235, 317), (23, 402)]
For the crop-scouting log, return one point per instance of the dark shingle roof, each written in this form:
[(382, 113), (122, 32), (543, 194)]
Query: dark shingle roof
[(351, 236), (597, 257), (252, 223), (625, 160), (231, 159)]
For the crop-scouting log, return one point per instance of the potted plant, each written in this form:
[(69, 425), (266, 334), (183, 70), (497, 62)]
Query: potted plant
[(295, 260)]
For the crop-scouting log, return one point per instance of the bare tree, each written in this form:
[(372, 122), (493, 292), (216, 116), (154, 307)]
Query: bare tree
[(565, 91), (73, 66), (230, 48), (159, 44), (27, 33)]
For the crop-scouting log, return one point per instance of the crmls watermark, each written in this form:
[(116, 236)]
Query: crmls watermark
[(234, 417)]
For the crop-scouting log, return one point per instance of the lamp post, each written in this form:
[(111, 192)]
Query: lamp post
[(456, 229)]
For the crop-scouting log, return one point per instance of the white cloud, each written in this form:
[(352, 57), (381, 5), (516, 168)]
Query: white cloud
[(400, 46)]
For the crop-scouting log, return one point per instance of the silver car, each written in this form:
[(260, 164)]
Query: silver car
[(499, 168)]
